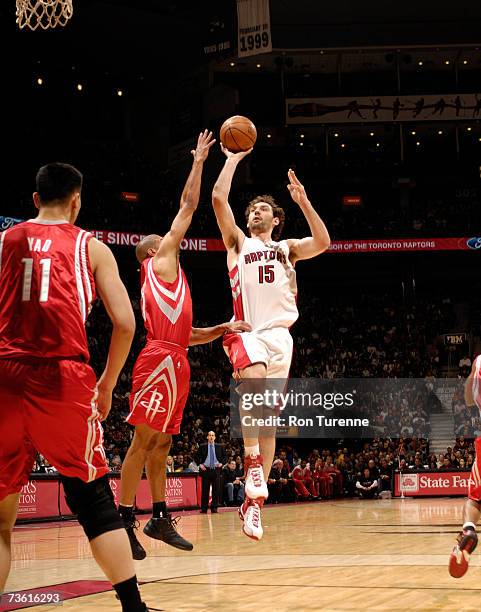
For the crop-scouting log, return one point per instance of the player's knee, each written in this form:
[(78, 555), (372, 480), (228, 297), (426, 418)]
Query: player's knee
[(163, 443), (144, 441), (93, 503)]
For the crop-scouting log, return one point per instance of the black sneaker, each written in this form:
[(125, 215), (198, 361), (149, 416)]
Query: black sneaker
[(164, 529), (138, 551), (467, 541)]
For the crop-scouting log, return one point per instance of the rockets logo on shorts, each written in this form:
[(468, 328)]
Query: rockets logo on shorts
[(153, 406), (163, 377)]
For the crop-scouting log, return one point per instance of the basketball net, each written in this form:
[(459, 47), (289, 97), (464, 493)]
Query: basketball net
[(43, 14)]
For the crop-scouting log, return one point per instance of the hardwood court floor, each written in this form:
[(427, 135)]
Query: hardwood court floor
[(338, 555)]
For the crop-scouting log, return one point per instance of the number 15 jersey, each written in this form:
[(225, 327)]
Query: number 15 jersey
[(46, 289), (263, 284)]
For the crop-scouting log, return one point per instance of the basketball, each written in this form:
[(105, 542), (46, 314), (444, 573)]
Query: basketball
[(238, 133)]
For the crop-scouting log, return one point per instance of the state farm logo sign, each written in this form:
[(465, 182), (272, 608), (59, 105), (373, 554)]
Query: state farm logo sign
[(410, 483)]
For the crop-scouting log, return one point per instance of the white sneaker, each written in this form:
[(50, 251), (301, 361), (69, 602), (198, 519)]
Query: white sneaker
[(255, 484), (252, 522)]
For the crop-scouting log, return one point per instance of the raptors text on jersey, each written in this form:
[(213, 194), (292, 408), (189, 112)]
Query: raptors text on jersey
[(46, 290), (263, 284)]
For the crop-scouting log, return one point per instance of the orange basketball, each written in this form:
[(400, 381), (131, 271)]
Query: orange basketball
[(238, 134)]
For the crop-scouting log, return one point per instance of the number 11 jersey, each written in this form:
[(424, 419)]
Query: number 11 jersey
[(263, 284), (46, 289)]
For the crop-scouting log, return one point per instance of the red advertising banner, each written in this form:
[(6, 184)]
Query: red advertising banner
[(128, 239), (431, 484), (379, 245), (38, 499), (337, 246), (180, 492), (387, 245)]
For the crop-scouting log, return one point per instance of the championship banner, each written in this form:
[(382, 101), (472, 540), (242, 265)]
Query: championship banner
[(431, 484), (446, 107), (253, 27)]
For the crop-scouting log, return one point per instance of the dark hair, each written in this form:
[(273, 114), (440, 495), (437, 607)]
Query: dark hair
[(57, 182), (277, 211)]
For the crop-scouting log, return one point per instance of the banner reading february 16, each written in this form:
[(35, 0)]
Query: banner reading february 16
[(253, 27)]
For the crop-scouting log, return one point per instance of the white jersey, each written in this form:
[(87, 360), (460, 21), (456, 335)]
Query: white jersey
[(263, 284)]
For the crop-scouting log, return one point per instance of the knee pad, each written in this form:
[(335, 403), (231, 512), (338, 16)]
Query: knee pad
[(93, 503)]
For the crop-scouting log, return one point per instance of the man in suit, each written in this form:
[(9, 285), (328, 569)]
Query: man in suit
[(210, 458)]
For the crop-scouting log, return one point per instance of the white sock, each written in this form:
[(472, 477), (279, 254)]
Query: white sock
[(469, 525), (252, 450)]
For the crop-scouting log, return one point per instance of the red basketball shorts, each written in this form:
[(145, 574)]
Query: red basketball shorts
[(474, 491), (160, 387), (50, 407)]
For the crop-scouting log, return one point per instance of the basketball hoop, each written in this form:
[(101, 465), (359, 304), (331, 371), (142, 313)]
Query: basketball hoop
[(45, 14)]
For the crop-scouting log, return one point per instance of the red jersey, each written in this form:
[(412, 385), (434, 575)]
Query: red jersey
[(166, 307), (46, 288)]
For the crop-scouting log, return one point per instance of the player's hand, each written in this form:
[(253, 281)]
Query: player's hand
[(202, 467), (296, 189), (204, 143), (234, 156), (236, 327), (104, 401)]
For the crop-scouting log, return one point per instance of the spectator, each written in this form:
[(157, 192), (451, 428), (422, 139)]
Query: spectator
[(233, 485), (210, 457), (303, 482), (279, 484), (385, 476), (170, 464), (366, 486)]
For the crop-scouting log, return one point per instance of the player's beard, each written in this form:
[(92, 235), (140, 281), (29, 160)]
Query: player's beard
[(258, 226)]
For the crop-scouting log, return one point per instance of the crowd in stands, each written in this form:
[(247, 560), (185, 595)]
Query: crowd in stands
[(427, 210)]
